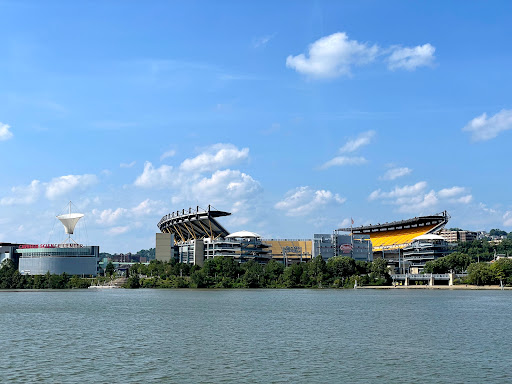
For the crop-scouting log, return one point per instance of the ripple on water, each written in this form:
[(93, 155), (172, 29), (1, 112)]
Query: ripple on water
[(256, 336)]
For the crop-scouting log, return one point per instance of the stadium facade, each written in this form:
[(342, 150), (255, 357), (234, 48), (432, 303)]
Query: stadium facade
[(389, 240), (193, 236), (358, 247), (423, 248), (290, 251)]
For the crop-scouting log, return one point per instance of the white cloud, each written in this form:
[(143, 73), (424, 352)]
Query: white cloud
[(127, 165), (466, 199), (332, 56), (226, 185), (109, 216), (5, 133), (484, 208), (23, 195), (406, 190), (62, 185), (507, 219), (483, 128), (153, 177), (115, 231), (170, 153), (201, 180), (420, 203), (415, 199), (451, 192), (147, 207), (395, 173), (411, 58), (360, 141), (215, 157), (304, 200), (344, 160), (262, 41)]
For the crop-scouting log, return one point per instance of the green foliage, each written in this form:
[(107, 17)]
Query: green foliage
[(273, 272), (110, 269), (484, 250), (292, 276), (10, 278), (341, 267), (455, 262), (149, 253), (497, 232), (133, 282), (253, 274), (481, 274)]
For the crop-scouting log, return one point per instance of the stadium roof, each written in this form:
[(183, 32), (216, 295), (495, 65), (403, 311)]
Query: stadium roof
[(244, 234), (192, 224), (398, 234), (429, 236), (440, 219)]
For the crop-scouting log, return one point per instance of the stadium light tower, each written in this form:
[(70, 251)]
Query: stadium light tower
[(69, 221)]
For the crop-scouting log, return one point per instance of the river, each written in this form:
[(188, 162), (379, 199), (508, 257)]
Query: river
[(256, 336)]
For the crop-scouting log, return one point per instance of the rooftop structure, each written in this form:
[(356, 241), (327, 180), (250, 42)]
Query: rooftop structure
[(192, 236), (187, 225), (398, 234)]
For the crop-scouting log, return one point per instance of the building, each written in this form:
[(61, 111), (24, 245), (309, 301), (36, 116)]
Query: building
[(422, 249), (458, 236), (194, 236), (8, 252), (72, 259), (290, 251), (67, 257), (389, 239), (357, 246)]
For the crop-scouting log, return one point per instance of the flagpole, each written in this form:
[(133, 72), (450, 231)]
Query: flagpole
[(352, 238)]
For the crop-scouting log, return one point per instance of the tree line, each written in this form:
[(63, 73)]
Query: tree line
[(224, 272), (11, 278)]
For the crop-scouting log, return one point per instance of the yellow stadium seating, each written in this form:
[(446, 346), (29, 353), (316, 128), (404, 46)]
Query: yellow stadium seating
[(397, 238)]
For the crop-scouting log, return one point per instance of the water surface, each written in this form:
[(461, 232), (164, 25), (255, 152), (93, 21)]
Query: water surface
[(256, 336)]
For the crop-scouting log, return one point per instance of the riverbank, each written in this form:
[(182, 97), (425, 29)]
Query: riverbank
[(452, 287)]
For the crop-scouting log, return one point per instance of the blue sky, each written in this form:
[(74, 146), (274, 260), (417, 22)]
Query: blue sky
[(294, 116)]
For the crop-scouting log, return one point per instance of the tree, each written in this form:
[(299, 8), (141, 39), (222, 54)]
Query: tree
[(316, 271), (292, 275), (133, 282), (253, 272), (341, 267), (273, 272), (497, 232), (481, 274), (110, 269), (503, 270)]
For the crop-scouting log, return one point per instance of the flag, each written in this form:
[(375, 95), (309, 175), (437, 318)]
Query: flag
[(352, 220)]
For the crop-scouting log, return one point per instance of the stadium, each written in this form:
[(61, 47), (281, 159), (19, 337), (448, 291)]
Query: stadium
[(194, 236), (390, 239)]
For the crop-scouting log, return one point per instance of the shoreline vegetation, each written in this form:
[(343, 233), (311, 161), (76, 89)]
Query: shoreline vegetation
[(337, 272), (224, 272)]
